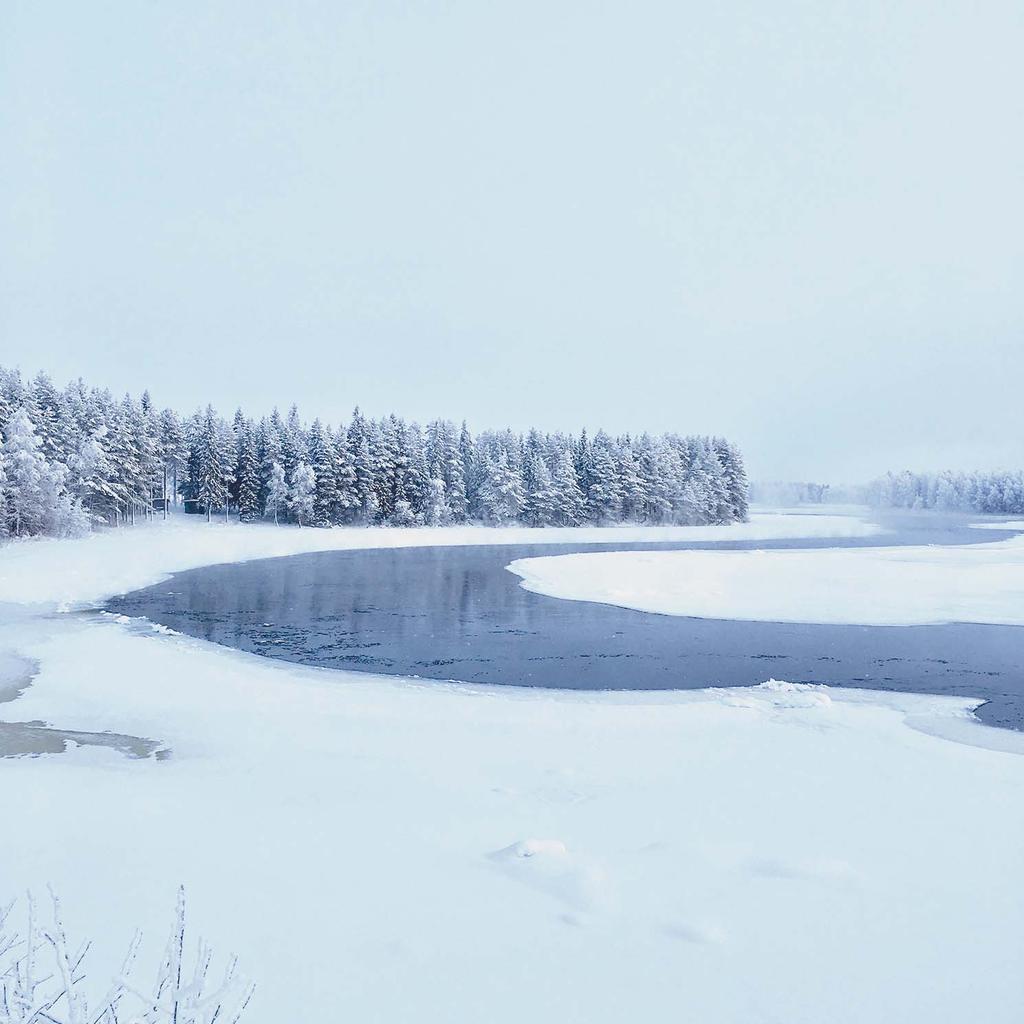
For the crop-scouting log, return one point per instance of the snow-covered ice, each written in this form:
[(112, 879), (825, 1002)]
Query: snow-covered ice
[(869, 586), (385, 850)]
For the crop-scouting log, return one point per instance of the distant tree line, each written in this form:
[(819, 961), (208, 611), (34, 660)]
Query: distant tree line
[(74, 457), (785, 492), (998, 493)]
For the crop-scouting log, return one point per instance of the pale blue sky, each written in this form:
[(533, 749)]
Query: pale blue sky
[(798, 224)]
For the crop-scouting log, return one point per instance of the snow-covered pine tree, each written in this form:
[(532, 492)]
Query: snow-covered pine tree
[(631, 484), (173, 449), (417, 473), (323, 462), (656, 475), (713, 491), (581, 462), (31, 484), (246, 472), (541, 504), (435, 507), (472, 471), (569, 503), (92, 481), (445, 463), (302, 493), (346, 502), (268, 452), (604, 497), (213, 459), (367, 508), (293, 443), (735, 476), (501, 493), (54, 428)]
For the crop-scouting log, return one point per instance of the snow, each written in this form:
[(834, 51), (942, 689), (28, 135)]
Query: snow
[(388, 850), (90, 569), (867, 586)]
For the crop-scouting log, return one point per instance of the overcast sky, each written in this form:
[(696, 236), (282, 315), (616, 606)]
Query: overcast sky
[(800, 225)]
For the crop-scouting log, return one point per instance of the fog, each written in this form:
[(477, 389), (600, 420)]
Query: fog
[(798, 225)]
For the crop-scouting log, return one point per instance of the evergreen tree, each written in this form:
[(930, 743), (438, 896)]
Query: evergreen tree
[(501, 493), (302, 493), (31, 485), (435, 507), (735, 478), (268, 447), (604, 498), (173, 449), (542, 500), (322, 461), (246, 471), (347, 500), (569, 503), (214, 457), (631, 484)]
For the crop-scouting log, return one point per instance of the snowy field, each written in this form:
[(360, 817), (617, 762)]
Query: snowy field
[(885, 586), (381, 850)]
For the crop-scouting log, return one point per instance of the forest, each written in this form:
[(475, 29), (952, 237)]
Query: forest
[(78, 457), (992, 493)]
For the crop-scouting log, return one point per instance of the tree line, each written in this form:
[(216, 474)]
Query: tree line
[(77, 456), (993, 493)]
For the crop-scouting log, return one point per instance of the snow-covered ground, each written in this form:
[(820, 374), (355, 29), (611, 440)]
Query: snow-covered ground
[(869, 586), (382, 850), (98, 566)]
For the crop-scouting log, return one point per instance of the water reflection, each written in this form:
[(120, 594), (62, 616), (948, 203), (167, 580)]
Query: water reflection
[(456, 613)]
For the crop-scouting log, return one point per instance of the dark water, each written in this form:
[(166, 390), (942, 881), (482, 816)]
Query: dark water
[(457, 613)]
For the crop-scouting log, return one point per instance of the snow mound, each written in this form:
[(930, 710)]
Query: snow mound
[(796, 695), (550, 867), (534, 848)]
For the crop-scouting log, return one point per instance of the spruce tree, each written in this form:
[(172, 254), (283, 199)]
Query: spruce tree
[(569, 503), (541, 507), (302, 493), (321, 460), (246, 472)]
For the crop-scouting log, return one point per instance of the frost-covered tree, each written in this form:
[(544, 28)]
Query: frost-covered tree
[(246, 486), (28, 477), (604, 495), (435, 506), (213, 462), (735, 476), (276, 502), (541, 507), (569, 503), (321, 459), (173, 450), (501, 492), (302, 493)]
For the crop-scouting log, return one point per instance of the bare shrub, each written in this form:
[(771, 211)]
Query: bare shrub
[(42, 981)]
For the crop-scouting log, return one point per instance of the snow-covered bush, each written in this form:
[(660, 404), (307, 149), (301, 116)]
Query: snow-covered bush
[(42, 979)]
